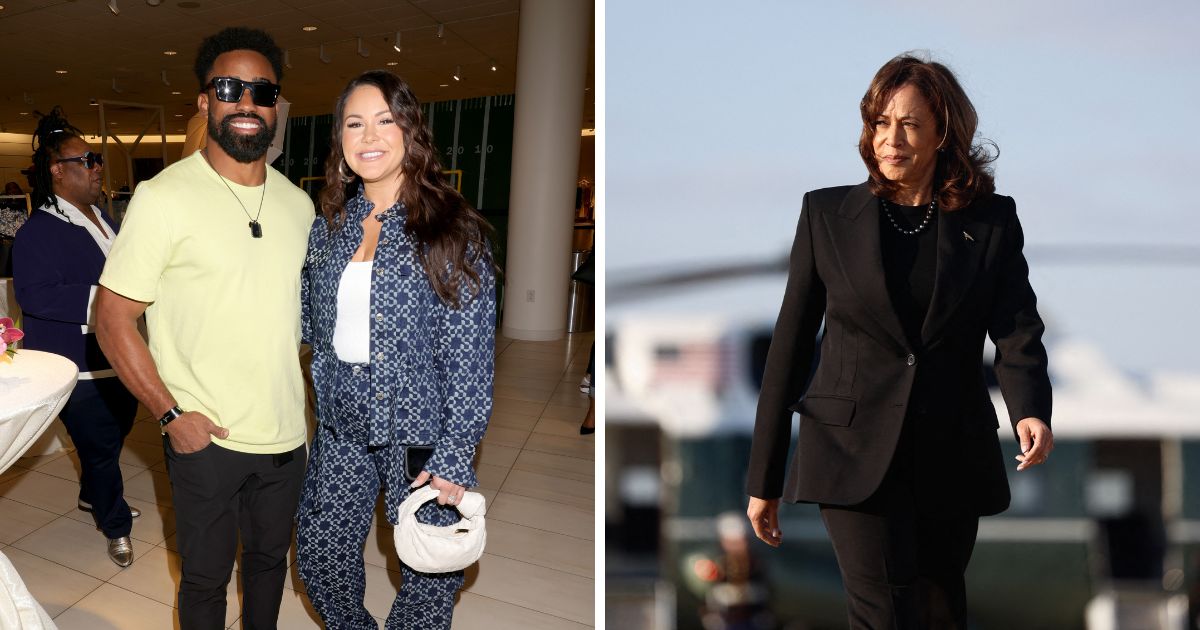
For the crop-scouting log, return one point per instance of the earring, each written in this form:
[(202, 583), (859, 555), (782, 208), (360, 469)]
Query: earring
[(346, 179)]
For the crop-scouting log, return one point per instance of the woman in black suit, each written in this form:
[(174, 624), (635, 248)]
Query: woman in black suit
[(898, 443)]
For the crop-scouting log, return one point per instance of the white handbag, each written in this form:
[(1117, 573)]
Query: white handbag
[(440, 549)]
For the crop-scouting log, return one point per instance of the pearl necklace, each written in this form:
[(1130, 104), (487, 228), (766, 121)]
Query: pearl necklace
[(917, 230)]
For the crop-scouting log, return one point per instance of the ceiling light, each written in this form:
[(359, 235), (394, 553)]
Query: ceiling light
[(308, 28), (23, 113), (396, 45), (493, 62), (441, 30), (362, 50), (112, 6), (164, 78), (179, 115), (1, 7), (93, 103), (393, 63), (60, 71), (444, 85), (287, 59), (176, 92), (321, 54), (153, 3), (170, 53), (458, 73)]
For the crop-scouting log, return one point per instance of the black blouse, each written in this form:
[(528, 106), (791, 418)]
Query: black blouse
[(909, 263)]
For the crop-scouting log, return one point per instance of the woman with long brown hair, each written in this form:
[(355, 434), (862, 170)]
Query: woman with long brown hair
[(907, 271), (399, 307)]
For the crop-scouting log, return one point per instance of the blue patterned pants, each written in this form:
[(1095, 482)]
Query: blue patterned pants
[(343, 481)]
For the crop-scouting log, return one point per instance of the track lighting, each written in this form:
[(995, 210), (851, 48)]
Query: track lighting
[(493, 64), (362, 50), (441, 31), (164, 78), (114, 86), (396, 46), (321, 54), (112, 6), (287, 59), (458, 73)]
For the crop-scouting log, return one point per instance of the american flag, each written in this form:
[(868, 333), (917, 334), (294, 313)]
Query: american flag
[(704, 363)]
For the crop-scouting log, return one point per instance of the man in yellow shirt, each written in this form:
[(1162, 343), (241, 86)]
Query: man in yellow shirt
[(211, 252)]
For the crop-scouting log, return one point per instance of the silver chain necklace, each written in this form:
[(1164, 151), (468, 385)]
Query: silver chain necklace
[(255, 226), (917, 230)]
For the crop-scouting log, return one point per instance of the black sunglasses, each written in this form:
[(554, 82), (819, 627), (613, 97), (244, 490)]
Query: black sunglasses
[(229, 90), (89, 159)]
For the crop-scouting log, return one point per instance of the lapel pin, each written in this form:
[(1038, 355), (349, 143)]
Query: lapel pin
[(968, 237)]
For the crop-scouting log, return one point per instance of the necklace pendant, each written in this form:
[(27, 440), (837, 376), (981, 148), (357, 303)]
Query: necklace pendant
[(255, 229)]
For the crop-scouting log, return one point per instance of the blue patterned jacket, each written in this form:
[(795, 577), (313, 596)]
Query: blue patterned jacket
[(432, 365)]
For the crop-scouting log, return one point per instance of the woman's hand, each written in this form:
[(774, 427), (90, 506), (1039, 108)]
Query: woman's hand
[(1036, 442), (448, 493), (764, 518)]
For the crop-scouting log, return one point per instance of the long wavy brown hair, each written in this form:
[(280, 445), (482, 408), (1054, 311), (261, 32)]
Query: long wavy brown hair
[(962, 173), (451, 236)]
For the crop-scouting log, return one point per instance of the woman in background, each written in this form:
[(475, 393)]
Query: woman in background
[(57, 258)]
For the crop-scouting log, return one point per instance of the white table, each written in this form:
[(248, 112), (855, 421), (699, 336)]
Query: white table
[(34, 386), (55, 439)]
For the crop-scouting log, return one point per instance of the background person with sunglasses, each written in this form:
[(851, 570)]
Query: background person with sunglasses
[(57, 258), (211, 251)]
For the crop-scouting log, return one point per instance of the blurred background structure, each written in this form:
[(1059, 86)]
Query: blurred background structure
[(714, 138)]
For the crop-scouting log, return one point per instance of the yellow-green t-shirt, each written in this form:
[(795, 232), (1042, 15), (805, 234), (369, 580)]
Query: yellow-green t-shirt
[(224, 307)]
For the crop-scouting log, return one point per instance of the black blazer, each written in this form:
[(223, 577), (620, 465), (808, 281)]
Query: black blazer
[(869, 376)]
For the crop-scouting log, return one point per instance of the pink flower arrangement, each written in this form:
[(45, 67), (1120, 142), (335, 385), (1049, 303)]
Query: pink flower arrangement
[(9, 334)]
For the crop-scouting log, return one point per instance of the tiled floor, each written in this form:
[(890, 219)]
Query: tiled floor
[(534, 468)]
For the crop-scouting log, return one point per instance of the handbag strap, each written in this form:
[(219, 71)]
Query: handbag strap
[(472, 504)]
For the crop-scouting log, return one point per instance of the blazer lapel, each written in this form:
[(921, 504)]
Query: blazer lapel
[(855, 238), (960, 247)]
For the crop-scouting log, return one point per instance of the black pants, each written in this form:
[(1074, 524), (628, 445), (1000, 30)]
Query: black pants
[(218, 494), (902, 556), (98, 415)]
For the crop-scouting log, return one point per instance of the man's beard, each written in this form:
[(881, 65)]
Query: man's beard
[(241, 147)]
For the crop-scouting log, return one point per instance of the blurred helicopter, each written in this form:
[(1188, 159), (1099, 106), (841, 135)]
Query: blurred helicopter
[(1106, 534)]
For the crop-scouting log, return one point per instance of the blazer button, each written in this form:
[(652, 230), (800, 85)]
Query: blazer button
[(910, 360), (379, 318), (378, 356), (380, 396), (356, 369)]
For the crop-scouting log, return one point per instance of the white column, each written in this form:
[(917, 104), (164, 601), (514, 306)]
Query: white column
[(551, 76)]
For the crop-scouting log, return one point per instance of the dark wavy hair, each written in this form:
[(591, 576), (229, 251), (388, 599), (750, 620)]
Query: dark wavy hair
[(962, 173), (236, 38), (451, 236), (52, 132)]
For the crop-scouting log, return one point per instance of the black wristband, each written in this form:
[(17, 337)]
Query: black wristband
[(172, 413)]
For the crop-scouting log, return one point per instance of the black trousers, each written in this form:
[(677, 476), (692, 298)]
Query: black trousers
[(219, 493), (902, 556), (98, 415)]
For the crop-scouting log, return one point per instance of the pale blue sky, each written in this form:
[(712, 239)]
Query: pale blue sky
[(720, 115)]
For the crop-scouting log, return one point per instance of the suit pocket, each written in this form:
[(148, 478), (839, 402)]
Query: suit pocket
[(835, 411)]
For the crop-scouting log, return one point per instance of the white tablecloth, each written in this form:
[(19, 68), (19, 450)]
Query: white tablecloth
[(34, 386), (18, 609), (54, 439)]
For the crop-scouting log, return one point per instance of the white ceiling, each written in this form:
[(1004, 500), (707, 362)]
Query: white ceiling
[(38, 37)]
